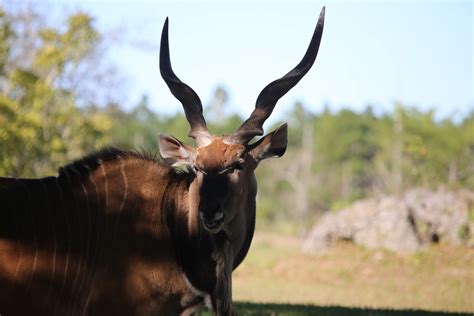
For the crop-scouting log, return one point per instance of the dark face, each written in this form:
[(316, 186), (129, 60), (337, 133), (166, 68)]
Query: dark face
[(221, 170), (224, 172), (214, 191)]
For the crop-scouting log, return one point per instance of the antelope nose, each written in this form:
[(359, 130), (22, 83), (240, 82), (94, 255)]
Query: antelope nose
[(207, 216), (212, 220), (211, 216)]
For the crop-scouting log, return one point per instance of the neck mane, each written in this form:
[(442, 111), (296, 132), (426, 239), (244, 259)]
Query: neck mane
[(85, 165)]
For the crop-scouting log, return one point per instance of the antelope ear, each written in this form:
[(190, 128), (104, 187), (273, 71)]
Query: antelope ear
[(271, 145), (175, 153)]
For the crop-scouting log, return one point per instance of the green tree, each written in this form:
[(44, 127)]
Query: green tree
[(41, 124)]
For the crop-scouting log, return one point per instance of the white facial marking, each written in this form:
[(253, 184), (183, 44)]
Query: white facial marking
[(218, 216)]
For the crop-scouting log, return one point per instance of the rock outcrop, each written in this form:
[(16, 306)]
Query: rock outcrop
[(399, 223)]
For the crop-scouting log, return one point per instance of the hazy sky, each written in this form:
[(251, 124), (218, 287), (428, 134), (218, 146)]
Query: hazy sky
[(372, 52)]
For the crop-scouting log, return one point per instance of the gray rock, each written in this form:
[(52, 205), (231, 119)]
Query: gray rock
[(398, 223)]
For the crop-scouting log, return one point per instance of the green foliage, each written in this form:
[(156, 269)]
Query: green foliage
[(352, 155), (345, 143), (42, 126)]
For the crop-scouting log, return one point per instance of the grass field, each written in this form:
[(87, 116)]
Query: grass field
[(279, 280)]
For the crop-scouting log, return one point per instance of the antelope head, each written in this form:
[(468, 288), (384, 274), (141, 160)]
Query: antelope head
[(225, 166)]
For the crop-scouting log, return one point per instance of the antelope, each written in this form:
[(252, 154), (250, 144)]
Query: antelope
[(123, 233)]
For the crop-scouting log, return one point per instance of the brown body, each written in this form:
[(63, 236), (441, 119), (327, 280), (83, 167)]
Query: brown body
[(118, 233), (91, 243)]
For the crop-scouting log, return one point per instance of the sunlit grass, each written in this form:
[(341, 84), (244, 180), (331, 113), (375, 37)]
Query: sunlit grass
[(439, 278)]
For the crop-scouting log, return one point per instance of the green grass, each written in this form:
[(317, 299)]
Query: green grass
[(356, 280)]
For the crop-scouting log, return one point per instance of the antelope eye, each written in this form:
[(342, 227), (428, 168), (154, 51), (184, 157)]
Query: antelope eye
[(226, 171), (239, 165)]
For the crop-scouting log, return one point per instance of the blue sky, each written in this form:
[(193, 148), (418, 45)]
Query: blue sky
[(420, 53)]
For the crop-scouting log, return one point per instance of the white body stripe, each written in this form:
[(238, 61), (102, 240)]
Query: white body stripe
[(89, 237), (124, 196), (53, 264), (106, 186), (84, 311), (21, 253), (75, 285), (35, 238)]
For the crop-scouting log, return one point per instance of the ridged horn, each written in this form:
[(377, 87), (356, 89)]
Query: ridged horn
[(189, 99), (270, 95)]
